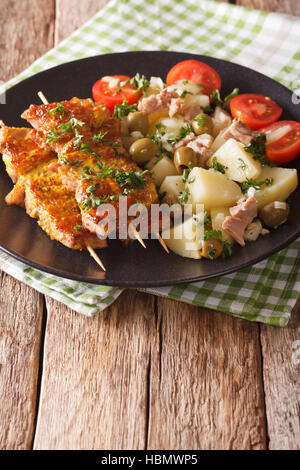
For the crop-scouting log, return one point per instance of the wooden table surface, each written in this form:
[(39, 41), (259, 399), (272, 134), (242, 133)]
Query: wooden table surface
[(148, 373)]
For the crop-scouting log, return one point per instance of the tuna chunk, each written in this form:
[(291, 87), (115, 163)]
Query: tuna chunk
[(241, 216), (201, 146), (158, 102), (175, 106), (183, 142), (239, 131), (192, 111)]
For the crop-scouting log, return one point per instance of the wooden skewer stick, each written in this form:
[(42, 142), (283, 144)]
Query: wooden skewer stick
[(88, 246), (163, 243), (43, 97), (137, 235), (94, 255)]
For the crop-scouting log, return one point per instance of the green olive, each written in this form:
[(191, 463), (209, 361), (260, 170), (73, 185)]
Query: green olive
[(128, 140), (143, 150), (202, 124), (274, 213), (138, 121), (184, 157), (212, 248)]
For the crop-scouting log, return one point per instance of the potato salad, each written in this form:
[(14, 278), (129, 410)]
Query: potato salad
[(225, 154)]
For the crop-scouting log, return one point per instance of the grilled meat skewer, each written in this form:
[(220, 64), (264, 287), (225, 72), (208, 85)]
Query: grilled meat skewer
[(41, 191), (91, 157)]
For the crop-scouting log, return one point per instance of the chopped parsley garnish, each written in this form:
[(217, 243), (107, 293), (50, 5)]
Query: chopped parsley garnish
[(184, 196), (213, 233), (218, 166), (184, 93), (231, 95), (78, 138), (185, 176), (88, 170), (227, 250), (53, 136), (106, 172), (133, 179), (122, 110), (65, 161), (255, 184), (65, 128), (161, 150), (207, 221), (78, 227), (242, 164), (87, 148), (208, 109), (140, 82), (100, 165), (200, 119), (59, 109), (257, 148), (184, 131), (99, 137), (211, 253), (70, 125), (215, 98), (185, 82), (92, 200), (161, 195), (160, 125), (115, 146)]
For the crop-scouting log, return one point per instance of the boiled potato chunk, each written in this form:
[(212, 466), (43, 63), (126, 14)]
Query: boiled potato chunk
[(212, 189), (184, 240), (219, 141), (221, 120), (217, 218), (201, 100), (172, 125), (172, 186), (154, 119), (285, 182), (240, 164), (164, 167)]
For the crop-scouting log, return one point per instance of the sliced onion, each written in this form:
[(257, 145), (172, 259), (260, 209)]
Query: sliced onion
[(278, 133), (113, 82)]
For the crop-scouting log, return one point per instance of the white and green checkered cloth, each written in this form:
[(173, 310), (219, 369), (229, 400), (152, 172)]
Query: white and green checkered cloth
[(267, 42)]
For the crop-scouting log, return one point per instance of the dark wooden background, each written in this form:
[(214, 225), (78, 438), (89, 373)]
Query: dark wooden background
[(148, 373)]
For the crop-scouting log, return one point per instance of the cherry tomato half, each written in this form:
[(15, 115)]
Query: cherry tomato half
[(287, 147), (196, 72), (255, 110), (110, 97)]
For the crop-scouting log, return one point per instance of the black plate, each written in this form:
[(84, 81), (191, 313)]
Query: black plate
[(133, 266)]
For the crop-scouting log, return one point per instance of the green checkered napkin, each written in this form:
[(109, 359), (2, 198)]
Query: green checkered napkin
[(266, 42)]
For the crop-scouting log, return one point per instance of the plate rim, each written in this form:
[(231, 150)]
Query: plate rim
[(160, 283)]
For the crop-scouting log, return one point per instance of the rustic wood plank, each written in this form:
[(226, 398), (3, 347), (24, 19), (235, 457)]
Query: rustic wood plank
[(280, 6), (206, 388), (70, 14), (94, 391), (21, 310), (281, 369), (27, 32)]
